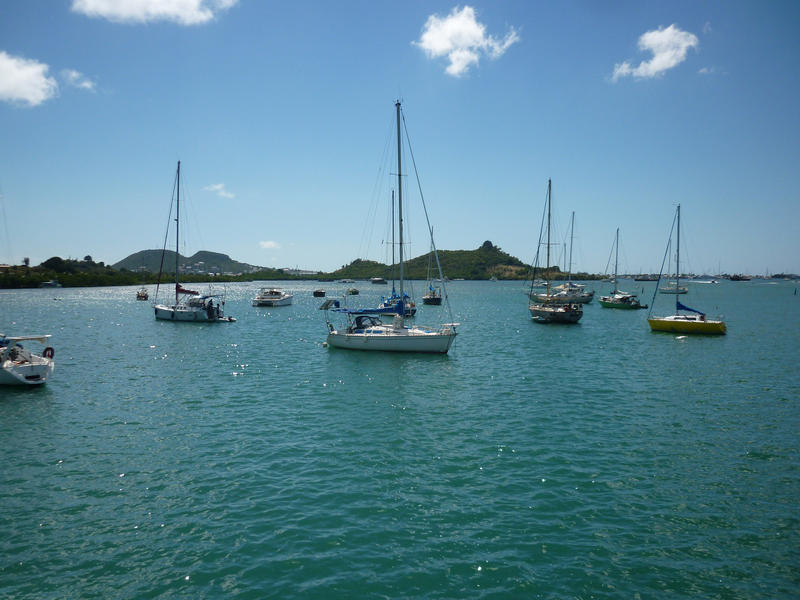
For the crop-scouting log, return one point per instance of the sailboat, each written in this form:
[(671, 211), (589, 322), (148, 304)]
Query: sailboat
[(674, 286), (20, 366), (434, 294), (547, 308), (189, 305), (366, 331), (685, 319), (617, 298), (568, 292), (391, 305)]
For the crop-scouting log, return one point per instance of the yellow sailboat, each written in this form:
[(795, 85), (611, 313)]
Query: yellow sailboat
[(685, 319)]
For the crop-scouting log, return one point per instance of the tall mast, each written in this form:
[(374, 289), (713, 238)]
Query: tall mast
[(401, 304), (547, 262), (177, 230), (678, 260), (571, 232), (393, 244), (616, 261)]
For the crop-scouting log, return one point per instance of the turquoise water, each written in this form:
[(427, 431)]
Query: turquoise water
[(246, 460)]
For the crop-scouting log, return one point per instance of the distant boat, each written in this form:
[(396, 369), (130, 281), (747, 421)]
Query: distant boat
[(53, 283), (547, 307), (352, 292), (378, 280), (739, 278), (685, 319), (617, 298), (189, 305), (433, 296), (319, 293), (142, 294), (569, 291), (672, 287), (272, 297), (20, 366), (365, 330)]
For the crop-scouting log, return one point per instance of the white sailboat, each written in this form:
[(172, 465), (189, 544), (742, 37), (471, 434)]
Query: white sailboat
[(685, 319), (20, 366), (569, 291), (189, 305), (547, 307), (617, 298), (366, 331)]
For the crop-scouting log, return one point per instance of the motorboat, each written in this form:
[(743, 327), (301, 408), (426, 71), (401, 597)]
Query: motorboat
[(272, 297)]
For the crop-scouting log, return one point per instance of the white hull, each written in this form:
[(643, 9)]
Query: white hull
[(31, 373), (270, 302), (20, 366), (388, 339), (565, 297), (184, 313)]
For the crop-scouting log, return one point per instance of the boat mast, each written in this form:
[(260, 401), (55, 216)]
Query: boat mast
[(393, 244), (571, 232), (678, 261), (616, 262), (177, 230), (401, 304), (547, 262)]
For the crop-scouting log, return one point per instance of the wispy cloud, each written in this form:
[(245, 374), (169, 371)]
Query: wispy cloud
[(25, 81), (183, 12), (706, 71), (461, 38), (669, 47), (219, 190), (77, 79), (707, 27), (269, 245)]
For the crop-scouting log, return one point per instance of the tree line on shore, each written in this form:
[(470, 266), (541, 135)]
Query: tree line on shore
[(485, 262)]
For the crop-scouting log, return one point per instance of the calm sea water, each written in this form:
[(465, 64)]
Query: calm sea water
[(246, 460)]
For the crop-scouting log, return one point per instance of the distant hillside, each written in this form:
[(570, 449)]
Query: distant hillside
[(200, 262), (481, 263)]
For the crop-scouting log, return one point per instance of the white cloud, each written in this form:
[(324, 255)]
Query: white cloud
[(25, 81), (461, 38), (269, 245), (77, 79), (184, 12), (219, 189), (706, 71), (669, 47)]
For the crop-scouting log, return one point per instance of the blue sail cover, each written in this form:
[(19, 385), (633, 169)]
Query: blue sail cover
[(684, 307)]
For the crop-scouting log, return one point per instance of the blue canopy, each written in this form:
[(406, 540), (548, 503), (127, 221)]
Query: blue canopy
[(680, 306)]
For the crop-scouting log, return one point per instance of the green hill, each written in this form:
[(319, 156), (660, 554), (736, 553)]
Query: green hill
[(200, 262), (481, 263)]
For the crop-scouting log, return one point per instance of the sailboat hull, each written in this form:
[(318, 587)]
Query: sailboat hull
[(36, 372), (687, 324), (556, 313), (408, 339), (185, 313)]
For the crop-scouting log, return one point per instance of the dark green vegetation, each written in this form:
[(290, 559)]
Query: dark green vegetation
[(201, 262), (142, 268)]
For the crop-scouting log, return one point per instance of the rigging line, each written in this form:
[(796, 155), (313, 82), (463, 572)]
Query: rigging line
[(166, 236), (666, 252), (375, 195), (535, 264), (427, 219)]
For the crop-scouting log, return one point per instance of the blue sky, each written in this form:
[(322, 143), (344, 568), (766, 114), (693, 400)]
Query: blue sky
[(280, 113)]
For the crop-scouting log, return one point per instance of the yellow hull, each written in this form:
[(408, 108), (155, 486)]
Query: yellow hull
[(687, 324)]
